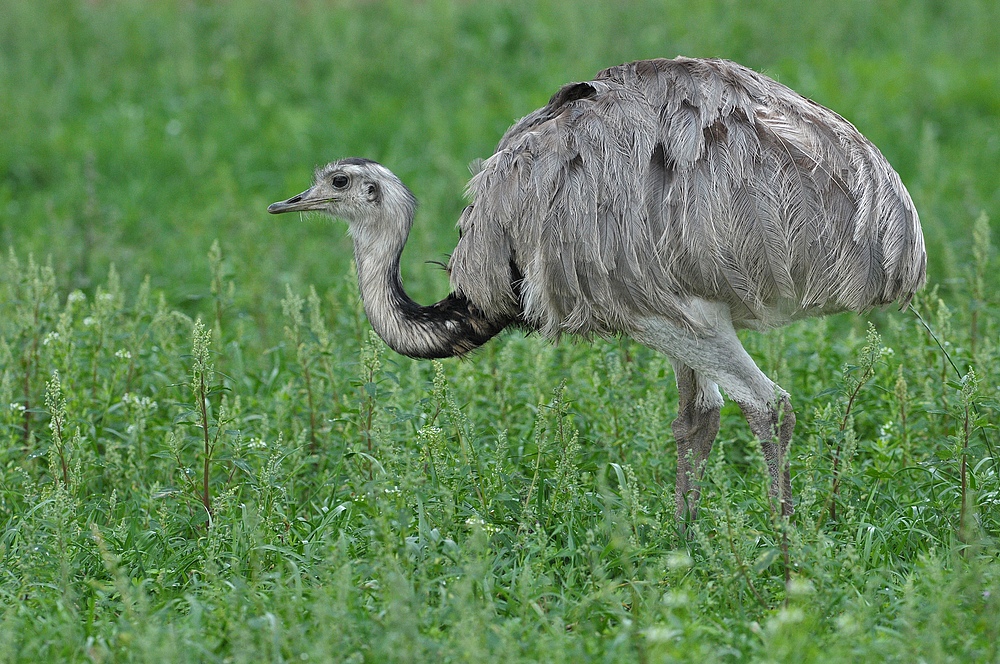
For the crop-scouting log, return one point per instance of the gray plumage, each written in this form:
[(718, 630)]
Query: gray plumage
[(666, 179), (673, 201)]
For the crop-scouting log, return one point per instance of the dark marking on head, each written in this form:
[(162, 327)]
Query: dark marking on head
[(355, 161)]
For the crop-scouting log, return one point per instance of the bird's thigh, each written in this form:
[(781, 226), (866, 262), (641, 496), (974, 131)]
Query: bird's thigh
[(695, 389), (715, 355)]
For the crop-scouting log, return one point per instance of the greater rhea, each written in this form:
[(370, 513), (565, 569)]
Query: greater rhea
[(670, 201)]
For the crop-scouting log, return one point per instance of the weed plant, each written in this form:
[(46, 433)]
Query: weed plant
[(221, 462)]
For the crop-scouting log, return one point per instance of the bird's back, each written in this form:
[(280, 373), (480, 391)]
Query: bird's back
[(664, 180)]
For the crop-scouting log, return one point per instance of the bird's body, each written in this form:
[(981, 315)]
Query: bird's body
[(672, 201), (669, 179)]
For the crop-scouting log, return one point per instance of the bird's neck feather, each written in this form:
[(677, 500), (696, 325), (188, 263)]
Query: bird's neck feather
[(441, 330)]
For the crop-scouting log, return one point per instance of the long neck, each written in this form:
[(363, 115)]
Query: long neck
[(453, 326)]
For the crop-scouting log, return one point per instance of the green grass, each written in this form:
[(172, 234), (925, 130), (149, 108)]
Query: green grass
[(206, 456)]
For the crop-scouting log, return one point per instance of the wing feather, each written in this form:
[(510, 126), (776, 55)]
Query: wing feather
[(663, 180)]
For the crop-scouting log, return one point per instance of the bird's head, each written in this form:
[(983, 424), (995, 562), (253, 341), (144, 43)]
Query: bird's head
[(362, 192)]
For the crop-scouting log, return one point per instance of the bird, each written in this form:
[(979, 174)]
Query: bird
[(673, 202)]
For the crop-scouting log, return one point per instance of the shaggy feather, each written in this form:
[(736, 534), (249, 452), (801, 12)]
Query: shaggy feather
[(669, 179)]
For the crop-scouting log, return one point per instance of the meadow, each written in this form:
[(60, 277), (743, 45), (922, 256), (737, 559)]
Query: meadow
[(206, 455)]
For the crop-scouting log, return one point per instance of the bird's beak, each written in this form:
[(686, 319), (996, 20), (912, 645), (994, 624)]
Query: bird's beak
[(307, 200)]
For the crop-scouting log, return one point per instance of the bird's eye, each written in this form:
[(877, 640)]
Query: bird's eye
[(339, 181)]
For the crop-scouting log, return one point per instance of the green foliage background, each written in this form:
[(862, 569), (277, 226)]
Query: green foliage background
[(205, 456)]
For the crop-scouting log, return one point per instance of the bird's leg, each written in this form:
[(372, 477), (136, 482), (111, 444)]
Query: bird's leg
[(715, 355), (773, 425), (695, 429)]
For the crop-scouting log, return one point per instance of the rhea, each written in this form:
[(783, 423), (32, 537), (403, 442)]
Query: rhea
[(670, 201)]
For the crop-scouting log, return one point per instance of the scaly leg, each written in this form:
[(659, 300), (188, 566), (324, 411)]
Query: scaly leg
[(695, 429), (714, 354), (773, 426)]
